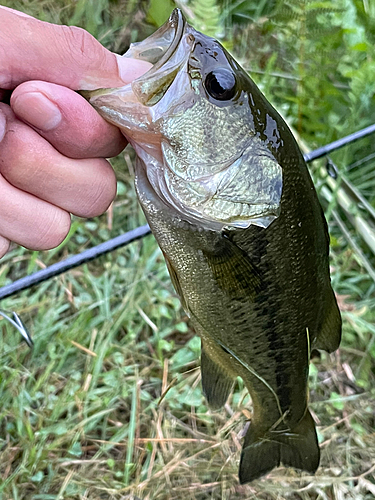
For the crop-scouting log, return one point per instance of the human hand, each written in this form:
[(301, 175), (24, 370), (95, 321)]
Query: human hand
[(53, 144)]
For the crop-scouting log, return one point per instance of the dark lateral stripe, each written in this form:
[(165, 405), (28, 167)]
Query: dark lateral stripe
[(276, 341)]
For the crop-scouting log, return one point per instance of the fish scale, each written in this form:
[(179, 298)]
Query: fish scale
[(229, 199)]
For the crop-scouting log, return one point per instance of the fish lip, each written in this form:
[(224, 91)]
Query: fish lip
[(177, 22), (145, 50), (167, 49)]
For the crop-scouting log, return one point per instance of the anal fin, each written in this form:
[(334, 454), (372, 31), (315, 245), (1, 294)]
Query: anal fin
[(216, 383)]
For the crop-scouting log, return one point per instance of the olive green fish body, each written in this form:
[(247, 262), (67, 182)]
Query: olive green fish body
[(258, 299), (229, 199)]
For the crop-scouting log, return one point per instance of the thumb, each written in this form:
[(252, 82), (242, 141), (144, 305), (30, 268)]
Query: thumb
[(65, 55)]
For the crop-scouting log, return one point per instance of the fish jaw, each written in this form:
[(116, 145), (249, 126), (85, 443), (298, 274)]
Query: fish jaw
[(133, 107)]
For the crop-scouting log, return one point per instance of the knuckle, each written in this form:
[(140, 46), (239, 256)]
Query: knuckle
[(6, 80), (54, 230), (82, 46), (4, 246), (17, 153), (102, 192), (99, 139), (89, 141)]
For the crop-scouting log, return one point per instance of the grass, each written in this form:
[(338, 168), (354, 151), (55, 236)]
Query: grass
[(108, 403)]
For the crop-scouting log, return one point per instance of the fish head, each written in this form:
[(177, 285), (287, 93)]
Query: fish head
[(190, 119)]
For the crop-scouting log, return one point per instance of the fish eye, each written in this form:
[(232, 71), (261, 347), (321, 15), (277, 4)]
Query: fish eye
[(221, 84)]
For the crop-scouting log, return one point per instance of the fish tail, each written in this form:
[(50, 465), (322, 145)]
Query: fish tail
[(263, 451)]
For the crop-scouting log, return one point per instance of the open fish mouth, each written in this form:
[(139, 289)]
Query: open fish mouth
[(158, 48), (167, 52)]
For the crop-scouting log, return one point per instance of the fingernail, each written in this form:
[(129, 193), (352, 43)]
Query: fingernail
[(37, 110), (3, 124), (129, 69)]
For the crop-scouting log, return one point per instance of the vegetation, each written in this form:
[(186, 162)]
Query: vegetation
[(108, 403)]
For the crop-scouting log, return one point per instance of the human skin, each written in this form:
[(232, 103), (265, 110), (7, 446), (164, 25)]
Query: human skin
[(53, 144)]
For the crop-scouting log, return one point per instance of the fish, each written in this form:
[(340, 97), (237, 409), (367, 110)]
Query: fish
[(229, 199)]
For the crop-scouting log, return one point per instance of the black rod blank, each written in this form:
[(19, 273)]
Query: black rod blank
[(329, 148), (74, 261)]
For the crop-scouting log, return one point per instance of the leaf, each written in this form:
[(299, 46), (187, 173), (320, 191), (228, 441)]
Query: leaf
[(38, 477), (159, 11), (336, 401), (361, 46)]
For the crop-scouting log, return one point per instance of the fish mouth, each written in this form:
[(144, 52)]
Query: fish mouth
[(167, 50), (159, 47)]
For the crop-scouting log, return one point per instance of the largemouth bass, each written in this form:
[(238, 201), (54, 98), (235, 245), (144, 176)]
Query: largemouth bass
[(232, 206)]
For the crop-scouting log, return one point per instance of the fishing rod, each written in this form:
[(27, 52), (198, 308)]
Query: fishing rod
[(142, 231), (329, 148), (74, 261)]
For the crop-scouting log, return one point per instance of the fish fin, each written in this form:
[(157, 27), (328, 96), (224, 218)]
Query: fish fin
[(296, 448), (216, 384), (233, 270), (176, 282), (329, 337)]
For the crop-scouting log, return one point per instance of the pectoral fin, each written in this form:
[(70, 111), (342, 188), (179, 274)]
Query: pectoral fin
[(233, 270), (216, 383)]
